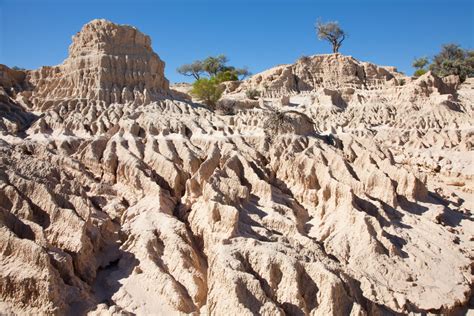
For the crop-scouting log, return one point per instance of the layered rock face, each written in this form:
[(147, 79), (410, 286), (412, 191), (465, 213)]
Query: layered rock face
[(333, 71), (14, 115), (318, 201), (107, 64)]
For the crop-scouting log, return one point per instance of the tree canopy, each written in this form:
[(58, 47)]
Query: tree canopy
[(213, 66), (453, 60), (420, 63), (331, 32), (195, 69)]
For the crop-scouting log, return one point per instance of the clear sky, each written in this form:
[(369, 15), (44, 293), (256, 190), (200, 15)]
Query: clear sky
[(258, 34)]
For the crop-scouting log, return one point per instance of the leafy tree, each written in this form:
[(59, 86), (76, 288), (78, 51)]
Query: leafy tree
[(242, 73), (331, 32), (419, 72), (420, 63), (227, 75), (207, 90), (195, 69), (453, 60), (214, 65), (281, 122), (278, 122)]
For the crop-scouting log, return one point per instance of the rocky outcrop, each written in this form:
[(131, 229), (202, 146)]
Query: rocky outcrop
[(107, 63), (352, 197), (11, 78), (14, 116), (334, 71), (395, 110), (170, 219)]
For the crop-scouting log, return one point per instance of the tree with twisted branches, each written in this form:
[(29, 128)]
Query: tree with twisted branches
[(195, 69), (331, 32)]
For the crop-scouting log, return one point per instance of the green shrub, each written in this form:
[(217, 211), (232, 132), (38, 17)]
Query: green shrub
[(420, 72), (207, 90), (252, 94), (227, 75), (453, 60), (401, 82), (420, 63), (214, 65)]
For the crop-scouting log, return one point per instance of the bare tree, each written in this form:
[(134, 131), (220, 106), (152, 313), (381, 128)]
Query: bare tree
[(331, 32)]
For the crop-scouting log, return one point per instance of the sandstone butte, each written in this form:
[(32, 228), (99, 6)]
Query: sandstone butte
[(121, 195)]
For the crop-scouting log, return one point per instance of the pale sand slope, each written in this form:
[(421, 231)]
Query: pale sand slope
[(126, 200)]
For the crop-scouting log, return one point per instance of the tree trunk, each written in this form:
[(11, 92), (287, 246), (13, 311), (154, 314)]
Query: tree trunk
[(335, 46)]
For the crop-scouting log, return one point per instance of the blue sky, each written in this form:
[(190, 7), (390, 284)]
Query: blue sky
[(258, 34)]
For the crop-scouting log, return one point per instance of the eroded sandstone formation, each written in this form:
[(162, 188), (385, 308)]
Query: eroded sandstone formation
[(332, 72), (107, 63), (14, 115), (362, 207)]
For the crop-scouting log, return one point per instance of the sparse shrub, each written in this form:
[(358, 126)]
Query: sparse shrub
[(420, 72), (278, 122), (207, 90), (304, 59), (420, 64), (252, 94), (401, 82), (282, 122), (226, 107), (453, 60)]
